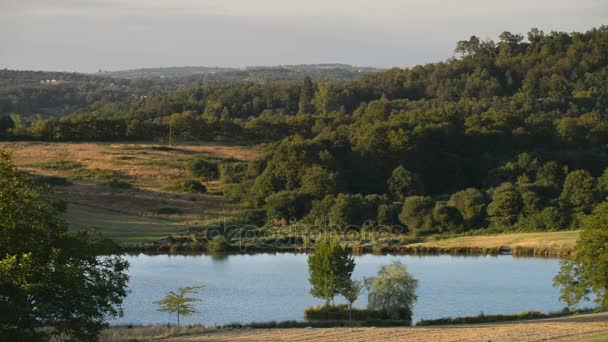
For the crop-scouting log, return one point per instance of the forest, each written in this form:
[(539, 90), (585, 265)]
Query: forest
[(506, 135)]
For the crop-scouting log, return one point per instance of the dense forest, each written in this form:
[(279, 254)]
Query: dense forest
[(511, 134)]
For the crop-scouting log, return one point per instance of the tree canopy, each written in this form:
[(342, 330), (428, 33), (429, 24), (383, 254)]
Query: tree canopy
[(52, 283)]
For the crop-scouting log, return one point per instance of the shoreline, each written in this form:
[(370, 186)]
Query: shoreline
[(545, 245)]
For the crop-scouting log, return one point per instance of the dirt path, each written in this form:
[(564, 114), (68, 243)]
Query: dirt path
[(584, 327)]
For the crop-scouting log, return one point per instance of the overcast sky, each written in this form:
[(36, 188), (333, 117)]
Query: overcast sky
[(87, 35)]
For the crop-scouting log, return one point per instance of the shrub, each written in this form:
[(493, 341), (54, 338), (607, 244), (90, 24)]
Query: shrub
[(218, 244), (190, 185), (232, 172), (203, 168), (340, 312)]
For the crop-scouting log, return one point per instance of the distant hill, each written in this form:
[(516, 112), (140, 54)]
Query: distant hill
[(336, 72)]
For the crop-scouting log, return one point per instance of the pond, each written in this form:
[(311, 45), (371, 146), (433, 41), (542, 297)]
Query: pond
[(267, 287)]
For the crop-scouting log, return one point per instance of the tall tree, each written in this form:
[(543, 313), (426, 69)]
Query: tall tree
[(307, 92), (585, 272), (404, 183), (330, 267), (580, 192), (52, 284)]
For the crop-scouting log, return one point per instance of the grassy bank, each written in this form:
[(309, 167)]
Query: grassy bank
[(546, 244), (557, 244)]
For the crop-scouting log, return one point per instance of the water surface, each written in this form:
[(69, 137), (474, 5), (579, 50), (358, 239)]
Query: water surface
[(266, 287)]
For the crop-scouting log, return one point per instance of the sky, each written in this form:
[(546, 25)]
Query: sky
[(88, 35)]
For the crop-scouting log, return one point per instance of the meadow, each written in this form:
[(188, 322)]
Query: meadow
[(124, 189)]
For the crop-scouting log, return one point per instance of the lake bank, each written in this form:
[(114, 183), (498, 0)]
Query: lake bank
[(544, 244)]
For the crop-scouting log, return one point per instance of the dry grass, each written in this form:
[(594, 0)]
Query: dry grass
[(130, 214), (584, 327), (548, 241), (149, 166)]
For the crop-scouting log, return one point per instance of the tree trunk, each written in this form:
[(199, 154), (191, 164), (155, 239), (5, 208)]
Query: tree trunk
[(178, 316), (350, 311)]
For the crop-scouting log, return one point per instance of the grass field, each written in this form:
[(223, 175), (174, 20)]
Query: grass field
[(141, 210), (559, 242), (120, 227), (587, 328)]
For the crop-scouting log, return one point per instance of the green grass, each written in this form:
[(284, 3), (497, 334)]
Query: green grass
[(122, 228), (60, 165)]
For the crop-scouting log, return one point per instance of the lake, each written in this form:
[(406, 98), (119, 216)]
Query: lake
[(267, 287)]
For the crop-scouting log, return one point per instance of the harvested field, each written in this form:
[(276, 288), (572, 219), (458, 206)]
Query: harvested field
[(592, 327)]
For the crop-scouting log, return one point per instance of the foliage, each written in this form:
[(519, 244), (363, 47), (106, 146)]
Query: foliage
[(218, 244), (471, 203), (580, 192), (179, 303), (330, 267), (417, 214), (52, 284), (404, 183), (351, 292), (190, 185), (584, 273), (393, 290), (204, 169)]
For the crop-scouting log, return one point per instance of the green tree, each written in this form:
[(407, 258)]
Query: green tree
[(351, 292), (506, 205), (404, 183), (580, 192), (447, 218), (602, 183), (325, 99), (306, 94), (6, 123), (330, 267), (318, 182), (585, 271), (52, 284), (287, 205), (472, 205), (179, 303), (417, 214), (202, 168), (393, 290)]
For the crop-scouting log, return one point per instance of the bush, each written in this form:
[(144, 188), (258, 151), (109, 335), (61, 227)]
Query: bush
[(340, 312), (218, 244), (232, 172), (191, 186), (203, 168), (483, 318), (235, 192)]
